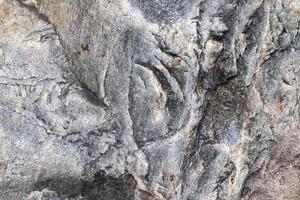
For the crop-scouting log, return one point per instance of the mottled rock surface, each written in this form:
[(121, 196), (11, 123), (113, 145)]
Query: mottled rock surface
[(147, 99)]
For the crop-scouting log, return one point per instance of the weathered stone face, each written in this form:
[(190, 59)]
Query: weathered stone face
[(146, 99)]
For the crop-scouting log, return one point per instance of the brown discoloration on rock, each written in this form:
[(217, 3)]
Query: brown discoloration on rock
[(84, 47), (279, 109), (149, 193), (280, 179), (178, 63)]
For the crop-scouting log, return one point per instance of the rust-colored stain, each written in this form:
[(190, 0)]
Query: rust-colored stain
[(177, 63), (157, 99), (172, 178), (279, 108), (232, 179), (172, 186), (84, 47), (149, 193), (134, 183), (297, 12)]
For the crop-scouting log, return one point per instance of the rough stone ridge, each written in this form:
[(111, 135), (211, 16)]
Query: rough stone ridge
[(147, 99)]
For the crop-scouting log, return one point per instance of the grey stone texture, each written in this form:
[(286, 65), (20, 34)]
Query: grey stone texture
[(149, 100)]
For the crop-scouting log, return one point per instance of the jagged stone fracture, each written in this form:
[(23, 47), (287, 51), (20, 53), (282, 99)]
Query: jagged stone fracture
[(149, 99)]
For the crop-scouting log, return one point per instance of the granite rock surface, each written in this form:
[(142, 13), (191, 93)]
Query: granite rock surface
[(147, 99)]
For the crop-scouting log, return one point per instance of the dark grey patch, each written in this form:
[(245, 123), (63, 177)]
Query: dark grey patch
[(165, 11), (64, 186), (105, 187), (101, 188)]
